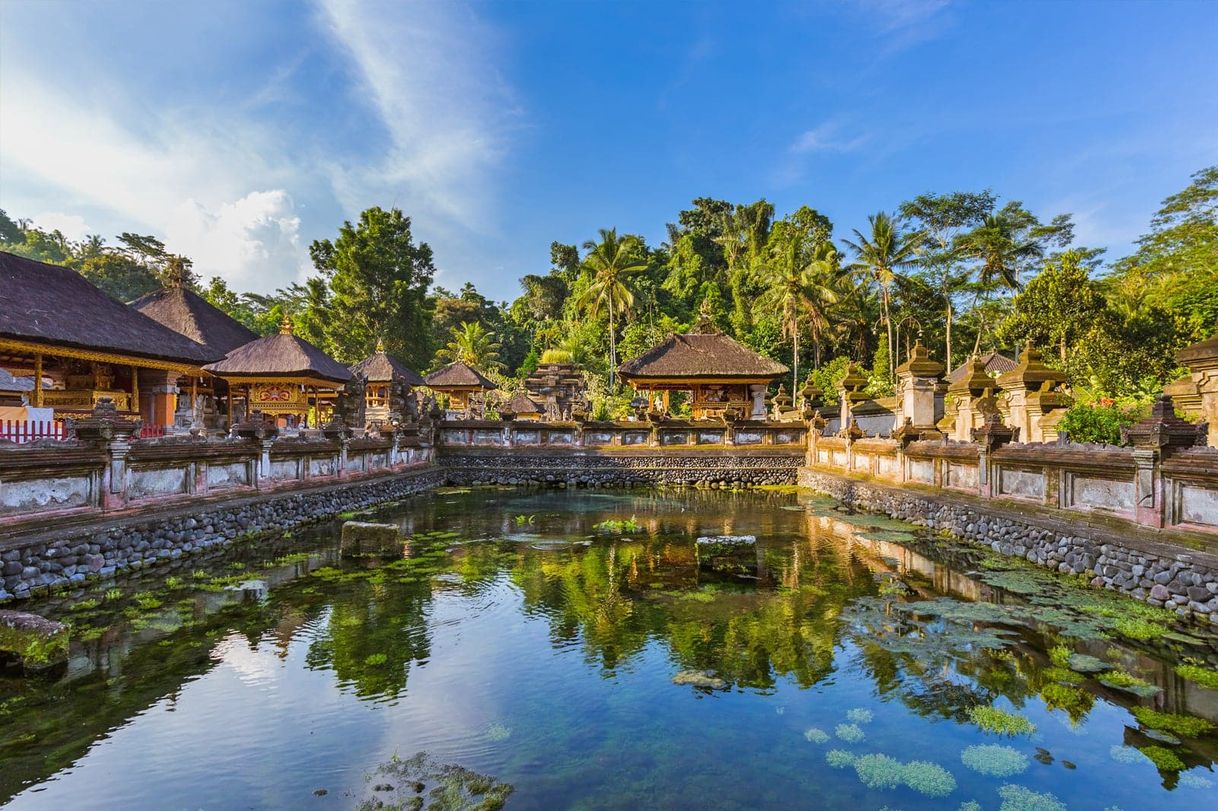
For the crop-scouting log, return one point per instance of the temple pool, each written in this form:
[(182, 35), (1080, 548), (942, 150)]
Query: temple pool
[(579, 649)]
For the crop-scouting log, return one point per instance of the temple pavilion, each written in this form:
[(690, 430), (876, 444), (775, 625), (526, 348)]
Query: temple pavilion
[(187, 313), (57, 328), (724, 377), (465, 387), (387, 379), (281, 376)]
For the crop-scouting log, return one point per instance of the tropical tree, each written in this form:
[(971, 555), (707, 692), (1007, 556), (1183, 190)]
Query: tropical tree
[(881, 255), (472, 345), (799, 285), (612, 262)]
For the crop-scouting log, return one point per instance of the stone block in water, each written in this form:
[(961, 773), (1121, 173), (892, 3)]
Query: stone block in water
[(34, 642), (369, 539), (728, 554)]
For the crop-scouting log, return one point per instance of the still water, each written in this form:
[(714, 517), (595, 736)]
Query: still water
[(844, 661)]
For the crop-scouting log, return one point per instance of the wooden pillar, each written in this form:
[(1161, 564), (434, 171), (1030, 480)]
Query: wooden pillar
[(230, 403), (194, 399), (36, 400), (135, 390), (249, 412)]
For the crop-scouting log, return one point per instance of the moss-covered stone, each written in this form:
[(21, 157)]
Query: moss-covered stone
[(35, 642)]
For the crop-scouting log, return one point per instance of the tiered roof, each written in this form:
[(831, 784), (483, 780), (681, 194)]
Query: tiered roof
[(281, 356), (381, 367), (701, 355)]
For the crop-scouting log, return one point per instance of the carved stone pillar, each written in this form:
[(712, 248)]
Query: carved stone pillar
[(1202, 362), (111, 434), (1032, 390), (1154, 437), (918, 381)]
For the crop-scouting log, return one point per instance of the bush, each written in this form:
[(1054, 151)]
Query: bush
[(1096, 423)]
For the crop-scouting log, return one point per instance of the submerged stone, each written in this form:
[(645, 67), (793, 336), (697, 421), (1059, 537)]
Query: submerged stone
[(700, 679), (368, 539), (36, 643), (1084, 663)]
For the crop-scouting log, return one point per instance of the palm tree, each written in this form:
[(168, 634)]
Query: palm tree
[(1004, 243), (801, 282), (881, 255), (472, 345), (611, 261)]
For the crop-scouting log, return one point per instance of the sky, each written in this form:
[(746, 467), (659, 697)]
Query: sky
[(240, 132)]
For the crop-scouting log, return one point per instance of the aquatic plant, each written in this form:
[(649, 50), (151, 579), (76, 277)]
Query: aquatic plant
[(172, 582), (376, 659), (1164, 759), (1122, 753), (839, 758), (970, 805), (146, 600), (498, 732), (1060, 655), (1190, 780), (1128, 682), (199, 574), (1074, 700), (522, 520), (850, 733), (85, 605), (816, 735), (859, 715), (1020, 798), (1000, 722), (995, 760), (1186, 725), (1197, 674), (928, 778), (618, 526), (1139, 628), (879, 771), (114, 594), (420, 783)]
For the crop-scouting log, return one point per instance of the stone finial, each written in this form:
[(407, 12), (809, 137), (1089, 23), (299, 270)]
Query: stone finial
[(1162, 429), (816, 421), (852, 432), (855, 380), (105, 423), (380, 344), (919, 363), (781, 399), (1031, 372), (975, 381), (285, 325), (257, 427), (993, 433)]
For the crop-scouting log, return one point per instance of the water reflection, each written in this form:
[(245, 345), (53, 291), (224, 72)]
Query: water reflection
[(837, 603)]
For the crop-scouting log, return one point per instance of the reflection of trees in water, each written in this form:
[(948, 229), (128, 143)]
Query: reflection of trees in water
[(616, 596)]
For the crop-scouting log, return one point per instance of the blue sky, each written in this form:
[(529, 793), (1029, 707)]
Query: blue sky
[(239, 132)]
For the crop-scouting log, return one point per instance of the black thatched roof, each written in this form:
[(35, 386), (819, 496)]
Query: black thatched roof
[(187, 313), (995, 364), (282, 355), (522, 403), (56, 306), (701, 355), (457, 375), (381, 367)]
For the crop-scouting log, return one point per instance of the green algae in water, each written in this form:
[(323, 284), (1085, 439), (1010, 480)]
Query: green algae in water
[(850, 733), (816, 735), (995, 760), (1000, 722), (859, 715), (1185, 725), (879, 771), (1164, 759), (498, 732), (839, 758), (1196, 781), (929, 779), (1197, 674), (1021, 798), (1122, 753)]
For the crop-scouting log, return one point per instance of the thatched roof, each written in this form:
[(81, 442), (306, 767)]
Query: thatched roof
[(994, 363), (457, 376), (56, 306), (187, 313), (381, 367), (282, 355), (705, 355), (521, 403)]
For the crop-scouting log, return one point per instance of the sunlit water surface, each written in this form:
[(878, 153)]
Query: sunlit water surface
[(520, 642)]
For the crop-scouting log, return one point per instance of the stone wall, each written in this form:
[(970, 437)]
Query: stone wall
[(36, 564), (713, 468), (1156, 568)]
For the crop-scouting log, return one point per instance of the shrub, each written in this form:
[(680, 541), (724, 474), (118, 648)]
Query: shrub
[(1096, 423)]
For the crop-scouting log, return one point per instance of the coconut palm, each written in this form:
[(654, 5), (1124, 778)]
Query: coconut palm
[(612, 262), (881, 255), (472, 344), (1004, 243), (800, 278)]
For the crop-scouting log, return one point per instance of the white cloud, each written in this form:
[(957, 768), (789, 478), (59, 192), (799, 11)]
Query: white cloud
[(243, 241), (831, 136), (428, 70), (71, 226)]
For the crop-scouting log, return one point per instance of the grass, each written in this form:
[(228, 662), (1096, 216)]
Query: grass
[(1000, 722)]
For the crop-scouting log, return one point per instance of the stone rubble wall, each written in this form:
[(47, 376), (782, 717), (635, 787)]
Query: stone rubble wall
[(31, 569), (738, 468), (1159, 573)]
